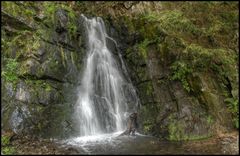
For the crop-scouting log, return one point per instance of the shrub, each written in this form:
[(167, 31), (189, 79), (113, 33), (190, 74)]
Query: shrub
[(9, 73), (233, 106), (180, 72), (5, 145)]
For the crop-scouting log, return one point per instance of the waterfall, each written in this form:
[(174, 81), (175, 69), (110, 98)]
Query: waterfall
[(105, 96)]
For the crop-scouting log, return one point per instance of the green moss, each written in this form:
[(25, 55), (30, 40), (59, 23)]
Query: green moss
[(176, 131), (40, 72), (196, 137), (49, 12), (142, 47), (233, 106), (24, 44), (172, 22), (129, 23), (147, 126), (195, 58), (48, 88), (209, 119), (176, 22), (200, 57), (147, 115), (149, 90), (180, 72), (17, 10), (36, 84), (6, 148), (5, 140), (9, 73), (72, 28)]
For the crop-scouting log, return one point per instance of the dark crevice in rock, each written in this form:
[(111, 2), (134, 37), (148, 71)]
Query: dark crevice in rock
[(143, 65), (171, 101), (44, 77), (10, 31), (150, 102), (63, 45), (228, 85), (141, 82), (163, 77)]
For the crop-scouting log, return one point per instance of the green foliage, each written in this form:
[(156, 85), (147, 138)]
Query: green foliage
[(72, 28), (9, 73), (175, 131), (148, 26), (49, 12), (225, 63), (51, 8), (149, 90), (236, 122), (36, 84), (176, 22), (148, 125), (196, 137), (197, 56), (172, 22), (180, 72), (5, 145), (24, 42), (23, 10), (216, 20), (142, 47), (5, 140), (8, 150), (233, 106), (150, 17), (47, 87), (209, 119), (147, 114)]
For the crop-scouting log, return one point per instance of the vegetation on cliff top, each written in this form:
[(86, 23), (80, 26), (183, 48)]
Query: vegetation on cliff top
[(203, 37)]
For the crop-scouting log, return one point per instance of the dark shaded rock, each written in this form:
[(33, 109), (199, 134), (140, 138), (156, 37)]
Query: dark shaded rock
[(35, 104), (168, 110), (14, 22), (61, 20)]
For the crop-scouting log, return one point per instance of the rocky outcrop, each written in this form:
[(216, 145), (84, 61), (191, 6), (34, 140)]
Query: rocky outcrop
[(40, 101), (173, 109), (183, 73)]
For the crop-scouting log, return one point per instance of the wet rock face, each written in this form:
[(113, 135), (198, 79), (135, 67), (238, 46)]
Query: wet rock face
[(180, 115), (41, 101), (35, 104), (168, 110), (22, 94), (62, 20)]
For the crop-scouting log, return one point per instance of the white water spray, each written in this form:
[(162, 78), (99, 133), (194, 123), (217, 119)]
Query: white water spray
[(104, 96)]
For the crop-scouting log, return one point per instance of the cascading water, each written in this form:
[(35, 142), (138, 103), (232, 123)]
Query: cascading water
[(105, 97)]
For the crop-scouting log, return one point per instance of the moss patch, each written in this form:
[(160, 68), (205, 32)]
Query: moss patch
[(6, 147)]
